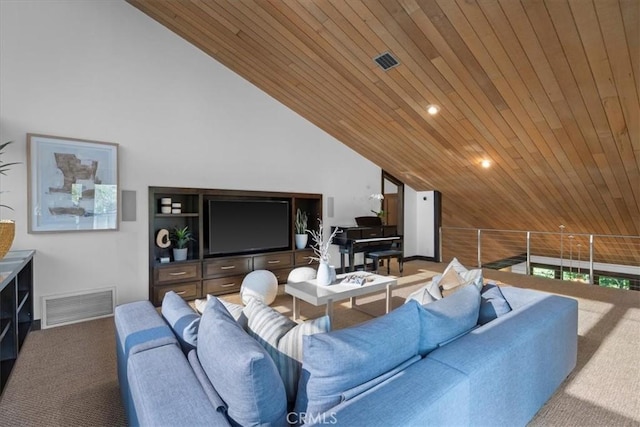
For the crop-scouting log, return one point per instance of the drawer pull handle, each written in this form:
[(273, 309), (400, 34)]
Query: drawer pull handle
[(228, 285), (227, 267), (373, 234), (181, 293), (179, 273), (274, 261)]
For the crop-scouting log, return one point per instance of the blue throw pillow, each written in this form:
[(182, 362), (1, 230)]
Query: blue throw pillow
[(493, 304), (240, 370), (336, 362), (442, 320), (183, 320)]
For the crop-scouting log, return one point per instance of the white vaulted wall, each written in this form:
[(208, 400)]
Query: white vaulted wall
[(101, 70)]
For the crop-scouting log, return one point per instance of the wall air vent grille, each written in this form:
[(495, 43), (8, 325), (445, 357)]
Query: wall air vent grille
[(58, 310), (386, 61)]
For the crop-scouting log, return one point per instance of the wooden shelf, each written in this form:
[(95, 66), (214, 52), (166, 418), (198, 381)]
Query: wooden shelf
[(16, 303), (180, 215), (196, 202)]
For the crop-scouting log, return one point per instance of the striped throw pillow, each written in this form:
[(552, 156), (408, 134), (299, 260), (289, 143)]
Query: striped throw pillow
[(282, 339)]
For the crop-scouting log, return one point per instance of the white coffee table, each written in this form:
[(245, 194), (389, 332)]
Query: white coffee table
[(310, 292)]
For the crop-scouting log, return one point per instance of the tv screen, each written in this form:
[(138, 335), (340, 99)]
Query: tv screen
[(237, 226)]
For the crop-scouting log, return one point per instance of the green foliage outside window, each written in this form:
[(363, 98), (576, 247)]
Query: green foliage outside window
[(575, 276), (548, 273), (614, 282)]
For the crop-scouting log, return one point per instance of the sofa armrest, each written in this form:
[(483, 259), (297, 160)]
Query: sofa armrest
[(518, 360), (165, 391), (139, 327)]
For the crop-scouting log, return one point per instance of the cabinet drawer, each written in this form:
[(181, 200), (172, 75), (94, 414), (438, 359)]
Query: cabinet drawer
[(227, 266), (272, 261), (185, 290), (302, 258), (222, 285), (282, 274), (176, 273)]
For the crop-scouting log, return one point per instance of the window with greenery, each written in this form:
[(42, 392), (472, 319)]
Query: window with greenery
[(614, 282), (548, 273), (575, 276)]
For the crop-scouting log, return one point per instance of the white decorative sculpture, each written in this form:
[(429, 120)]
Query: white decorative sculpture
[(261, 284)]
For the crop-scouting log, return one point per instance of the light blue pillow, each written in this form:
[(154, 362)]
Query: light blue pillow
[(183, 320), (240, 370), (442, 320), (493, 304), (339, 361)]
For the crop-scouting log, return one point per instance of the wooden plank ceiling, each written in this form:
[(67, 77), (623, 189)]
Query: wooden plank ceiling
[(548, 91)]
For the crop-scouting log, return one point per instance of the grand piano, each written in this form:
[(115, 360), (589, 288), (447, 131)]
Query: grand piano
[(370, 238)]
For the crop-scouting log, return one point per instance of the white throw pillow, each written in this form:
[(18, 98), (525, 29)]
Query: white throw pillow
[(282, 338), (236, 310), (428, 293), (457, 275)]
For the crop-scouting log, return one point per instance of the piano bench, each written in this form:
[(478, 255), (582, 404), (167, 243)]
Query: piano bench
[(387, 254)]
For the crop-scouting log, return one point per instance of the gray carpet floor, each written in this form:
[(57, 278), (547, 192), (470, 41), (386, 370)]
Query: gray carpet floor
[(66, 376)]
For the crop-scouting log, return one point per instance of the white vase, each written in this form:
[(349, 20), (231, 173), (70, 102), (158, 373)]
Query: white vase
[(301, 241), (180, 254), (326, 274)]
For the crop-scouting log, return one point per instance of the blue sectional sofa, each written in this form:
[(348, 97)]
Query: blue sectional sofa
[(404, 368)]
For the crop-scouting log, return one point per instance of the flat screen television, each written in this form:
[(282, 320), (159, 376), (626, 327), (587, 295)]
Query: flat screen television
[(242, 226)]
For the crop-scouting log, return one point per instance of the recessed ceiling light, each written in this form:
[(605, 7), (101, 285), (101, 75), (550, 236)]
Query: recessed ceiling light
[(433, 109), (486, 163)]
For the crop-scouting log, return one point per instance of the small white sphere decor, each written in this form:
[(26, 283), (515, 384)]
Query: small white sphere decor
[(260, 284)]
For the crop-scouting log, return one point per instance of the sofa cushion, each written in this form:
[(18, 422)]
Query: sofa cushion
[(166, 392), (201, 375), (445, 319), (340, 360), (240, 369), (183, 320), (427, 393), (282, 338), (492, 303)]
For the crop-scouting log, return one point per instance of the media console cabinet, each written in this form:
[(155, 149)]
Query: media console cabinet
[(203, 273), (16, 307)]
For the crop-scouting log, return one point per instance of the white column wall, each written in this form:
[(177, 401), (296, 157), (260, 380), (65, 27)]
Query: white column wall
[(102, 70), (419, 217)]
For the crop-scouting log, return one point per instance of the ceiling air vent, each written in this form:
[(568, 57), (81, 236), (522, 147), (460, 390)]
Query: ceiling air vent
[(386, 61)]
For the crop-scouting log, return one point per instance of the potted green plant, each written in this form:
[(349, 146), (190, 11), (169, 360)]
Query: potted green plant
[(180, 237), (301, 229), (7, 227)]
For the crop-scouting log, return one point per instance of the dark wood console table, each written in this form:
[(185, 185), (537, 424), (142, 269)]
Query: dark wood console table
[(16, 307)]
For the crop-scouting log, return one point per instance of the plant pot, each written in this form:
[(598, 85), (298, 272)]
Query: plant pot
[(180, 254), (7, 233), (301, 241), (326, 274)]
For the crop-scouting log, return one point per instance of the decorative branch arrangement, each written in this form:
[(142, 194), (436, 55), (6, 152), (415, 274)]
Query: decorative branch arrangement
[(320, 247)]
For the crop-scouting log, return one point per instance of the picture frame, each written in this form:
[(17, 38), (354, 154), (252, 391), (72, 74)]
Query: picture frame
[(72, 184)]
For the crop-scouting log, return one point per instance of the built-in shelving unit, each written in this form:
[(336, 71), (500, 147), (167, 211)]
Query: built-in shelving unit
[(16, 308), (203, 273)]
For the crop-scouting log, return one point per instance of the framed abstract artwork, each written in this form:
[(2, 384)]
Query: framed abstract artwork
[(72, 184)]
